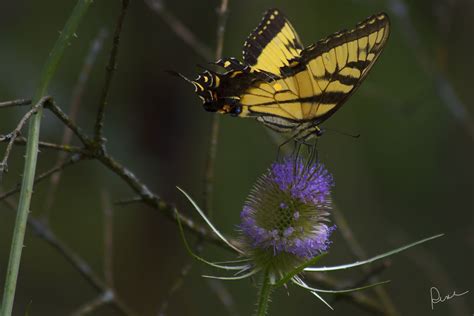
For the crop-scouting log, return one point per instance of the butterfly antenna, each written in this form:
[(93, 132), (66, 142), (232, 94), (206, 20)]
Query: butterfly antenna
[(343, 133), (177, 74)]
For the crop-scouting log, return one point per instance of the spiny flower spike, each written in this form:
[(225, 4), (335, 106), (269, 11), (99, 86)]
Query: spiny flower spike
[(285, 228), (284, 221)]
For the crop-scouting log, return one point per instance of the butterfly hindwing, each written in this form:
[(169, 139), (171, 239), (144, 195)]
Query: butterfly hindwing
[(273, 44)]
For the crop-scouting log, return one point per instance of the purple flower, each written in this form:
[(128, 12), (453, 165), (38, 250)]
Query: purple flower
[(286, 213), (309, 184)]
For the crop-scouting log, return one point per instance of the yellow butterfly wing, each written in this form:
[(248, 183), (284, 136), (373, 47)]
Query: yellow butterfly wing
[(273, 44), (271, 47), (314, 82), (339, 64)]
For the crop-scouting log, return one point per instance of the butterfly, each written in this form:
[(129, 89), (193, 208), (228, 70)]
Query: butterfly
[(290, 88)]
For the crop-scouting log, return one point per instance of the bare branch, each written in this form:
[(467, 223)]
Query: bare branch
[(78, 91), (133, 200), (371, 274), (63, 117), (224, 296), (51, 105), (359, 253), (442, 86), (43, 231), (346, 232), (20, 140), (16, 132), (359, 299), (135, 184), (72, 160), (177, 284), (108, 239), (178, 27), (153, 200), (214, 135), (222, 13), (91, 306), (19, 102), (111, 67)]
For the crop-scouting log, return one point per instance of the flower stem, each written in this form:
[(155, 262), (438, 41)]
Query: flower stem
[(264, 295), (32, 154)]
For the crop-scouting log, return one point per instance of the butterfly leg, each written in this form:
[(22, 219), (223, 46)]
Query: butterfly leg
[(281, 155), (295, 156), (309, 169), (312, 153), (313, 165)]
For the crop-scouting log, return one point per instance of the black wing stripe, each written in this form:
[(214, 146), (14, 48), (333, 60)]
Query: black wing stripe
[(251, 51), (325, 98), (362, 29)]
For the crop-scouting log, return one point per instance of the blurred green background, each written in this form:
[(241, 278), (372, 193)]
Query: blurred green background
[(408, 176)]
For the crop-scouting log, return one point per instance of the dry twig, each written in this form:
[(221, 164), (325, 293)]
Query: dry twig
[(214, 135), (178, 27), (78, 91), (111, 67), (360, 254), (12, 103), (16, 132)]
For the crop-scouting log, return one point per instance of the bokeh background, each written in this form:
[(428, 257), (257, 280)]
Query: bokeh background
[(408, 176)]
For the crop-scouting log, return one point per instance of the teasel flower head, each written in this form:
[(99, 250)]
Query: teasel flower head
[(285, 220)]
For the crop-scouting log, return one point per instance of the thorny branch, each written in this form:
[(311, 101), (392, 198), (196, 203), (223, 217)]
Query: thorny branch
[(16, 132), (66, 120), (72, 160), (75, 104), (111, 67), (90, 152)]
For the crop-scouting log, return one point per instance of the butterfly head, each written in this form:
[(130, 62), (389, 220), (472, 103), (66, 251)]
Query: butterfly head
[(223, 105)]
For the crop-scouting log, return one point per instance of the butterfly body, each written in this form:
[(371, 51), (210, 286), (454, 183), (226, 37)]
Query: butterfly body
[(290, 88)]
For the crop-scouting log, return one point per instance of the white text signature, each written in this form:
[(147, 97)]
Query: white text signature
[(437, 298)]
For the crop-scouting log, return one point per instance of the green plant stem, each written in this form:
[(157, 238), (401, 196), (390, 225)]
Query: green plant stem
[(32, 154), (264, 295)]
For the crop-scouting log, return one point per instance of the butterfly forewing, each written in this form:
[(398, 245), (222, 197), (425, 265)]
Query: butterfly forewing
[(273, 44), (339, 63)]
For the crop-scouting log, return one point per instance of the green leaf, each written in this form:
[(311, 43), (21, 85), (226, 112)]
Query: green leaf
[(208, 222), (378, 257), (190, 251)]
